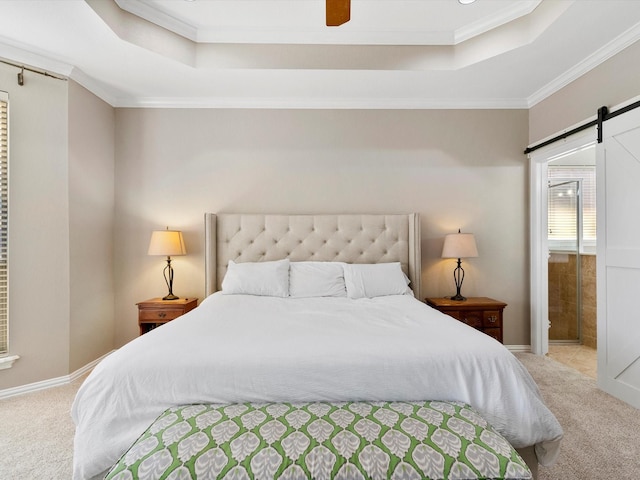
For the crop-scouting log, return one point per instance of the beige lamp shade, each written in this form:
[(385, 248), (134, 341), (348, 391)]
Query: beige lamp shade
[(167, 242), (459, 245)]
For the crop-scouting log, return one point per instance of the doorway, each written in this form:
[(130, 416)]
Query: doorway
[(571, 260), (563, 224)]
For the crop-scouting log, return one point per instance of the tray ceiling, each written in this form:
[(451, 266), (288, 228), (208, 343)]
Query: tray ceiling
[(279, 53)]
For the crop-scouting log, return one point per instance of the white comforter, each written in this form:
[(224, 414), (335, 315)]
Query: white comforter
[(237, 348)]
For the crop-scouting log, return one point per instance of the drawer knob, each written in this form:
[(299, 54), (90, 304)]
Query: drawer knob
[(493, 319), (162, 314)]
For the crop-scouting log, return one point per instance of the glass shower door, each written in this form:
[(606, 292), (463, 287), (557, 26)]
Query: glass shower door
[(564, 238)]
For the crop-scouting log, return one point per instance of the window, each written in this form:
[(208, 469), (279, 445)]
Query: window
[(4, 224), (572, 201)]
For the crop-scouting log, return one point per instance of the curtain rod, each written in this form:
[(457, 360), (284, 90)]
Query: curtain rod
[(603, 115), (29, 69)]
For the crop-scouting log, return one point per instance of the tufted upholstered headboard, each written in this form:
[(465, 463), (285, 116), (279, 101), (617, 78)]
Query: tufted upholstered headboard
[(339, 238)]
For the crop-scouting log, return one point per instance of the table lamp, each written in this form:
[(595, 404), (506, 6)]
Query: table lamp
[(170, 243), (459, 245)]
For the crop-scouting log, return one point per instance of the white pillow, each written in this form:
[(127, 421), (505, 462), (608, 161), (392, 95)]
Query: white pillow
[(316, 279), (257, 278), (375, 279)]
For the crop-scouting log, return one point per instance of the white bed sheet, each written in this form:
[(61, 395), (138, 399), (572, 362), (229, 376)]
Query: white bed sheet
[(239, 348)]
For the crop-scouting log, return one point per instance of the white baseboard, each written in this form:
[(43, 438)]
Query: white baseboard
[(519, 348), (53, 382)]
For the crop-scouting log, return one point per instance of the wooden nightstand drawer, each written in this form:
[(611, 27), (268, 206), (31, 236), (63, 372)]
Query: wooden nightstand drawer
[(471, 318), (159, 315), (481, 313), (454, 313), (155, 312), (494, 332), (492, 318)]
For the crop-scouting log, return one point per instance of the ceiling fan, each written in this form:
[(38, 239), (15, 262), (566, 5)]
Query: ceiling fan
[(338, 12)]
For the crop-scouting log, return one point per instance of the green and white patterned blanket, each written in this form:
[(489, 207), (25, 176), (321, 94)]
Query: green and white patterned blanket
[(340, 441)]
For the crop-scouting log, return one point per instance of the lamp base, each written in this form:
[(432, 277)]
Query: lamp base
[(168, 278), (458, 276)]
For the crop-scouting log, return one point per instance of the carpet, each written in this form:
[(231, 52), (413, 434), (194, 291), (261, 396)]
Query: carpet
[(601, 433), (36, 434)]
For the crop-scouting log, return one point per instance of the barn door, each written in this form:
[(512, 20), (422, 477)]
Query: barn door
[(618, 238)]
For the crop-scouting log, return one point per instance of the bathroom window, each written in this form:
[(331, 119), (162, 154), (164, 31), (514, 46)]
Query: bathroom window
[(572, 207)]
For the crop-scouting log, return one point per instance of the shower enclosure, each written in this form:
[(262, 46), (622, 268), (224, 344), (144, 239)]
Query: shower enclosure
[(565, 225)]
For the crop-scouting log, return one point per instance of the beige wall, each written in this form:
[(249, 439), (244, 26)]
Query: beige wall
[(61, 227), (613, 82), (91, 218), (458, 169), (38, 228)]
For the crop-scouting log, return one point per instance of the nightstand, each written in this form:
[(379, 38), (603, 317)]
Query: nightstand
[(155, 312), (481, 313)]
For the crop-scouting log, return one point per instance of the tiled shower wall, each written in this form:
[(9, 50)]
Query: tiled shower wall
[(563, 299)]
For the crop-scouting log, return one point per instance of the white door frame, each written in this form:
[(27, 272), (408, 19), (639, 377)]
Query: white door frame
[(538, 226)]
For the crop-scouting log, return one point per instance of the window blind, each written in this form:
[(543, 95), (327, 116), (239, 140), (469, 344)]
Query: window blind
[(4, 223), (562, 220)]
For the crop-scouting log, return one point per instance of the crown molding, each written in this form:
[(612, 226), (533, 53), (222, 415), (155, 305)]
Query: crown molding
[(152, 14), (322, 103), (321, 36), (94, 86), (600, 56), (513, 12), (38, 59)]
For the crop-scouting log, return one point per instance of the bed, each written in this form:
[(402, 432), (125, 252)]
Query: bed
[(274, 351)]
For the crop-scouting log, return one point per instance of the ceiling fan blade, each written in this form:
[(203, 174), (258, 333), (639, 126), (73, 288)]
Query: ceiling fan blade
[(338, 12)]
